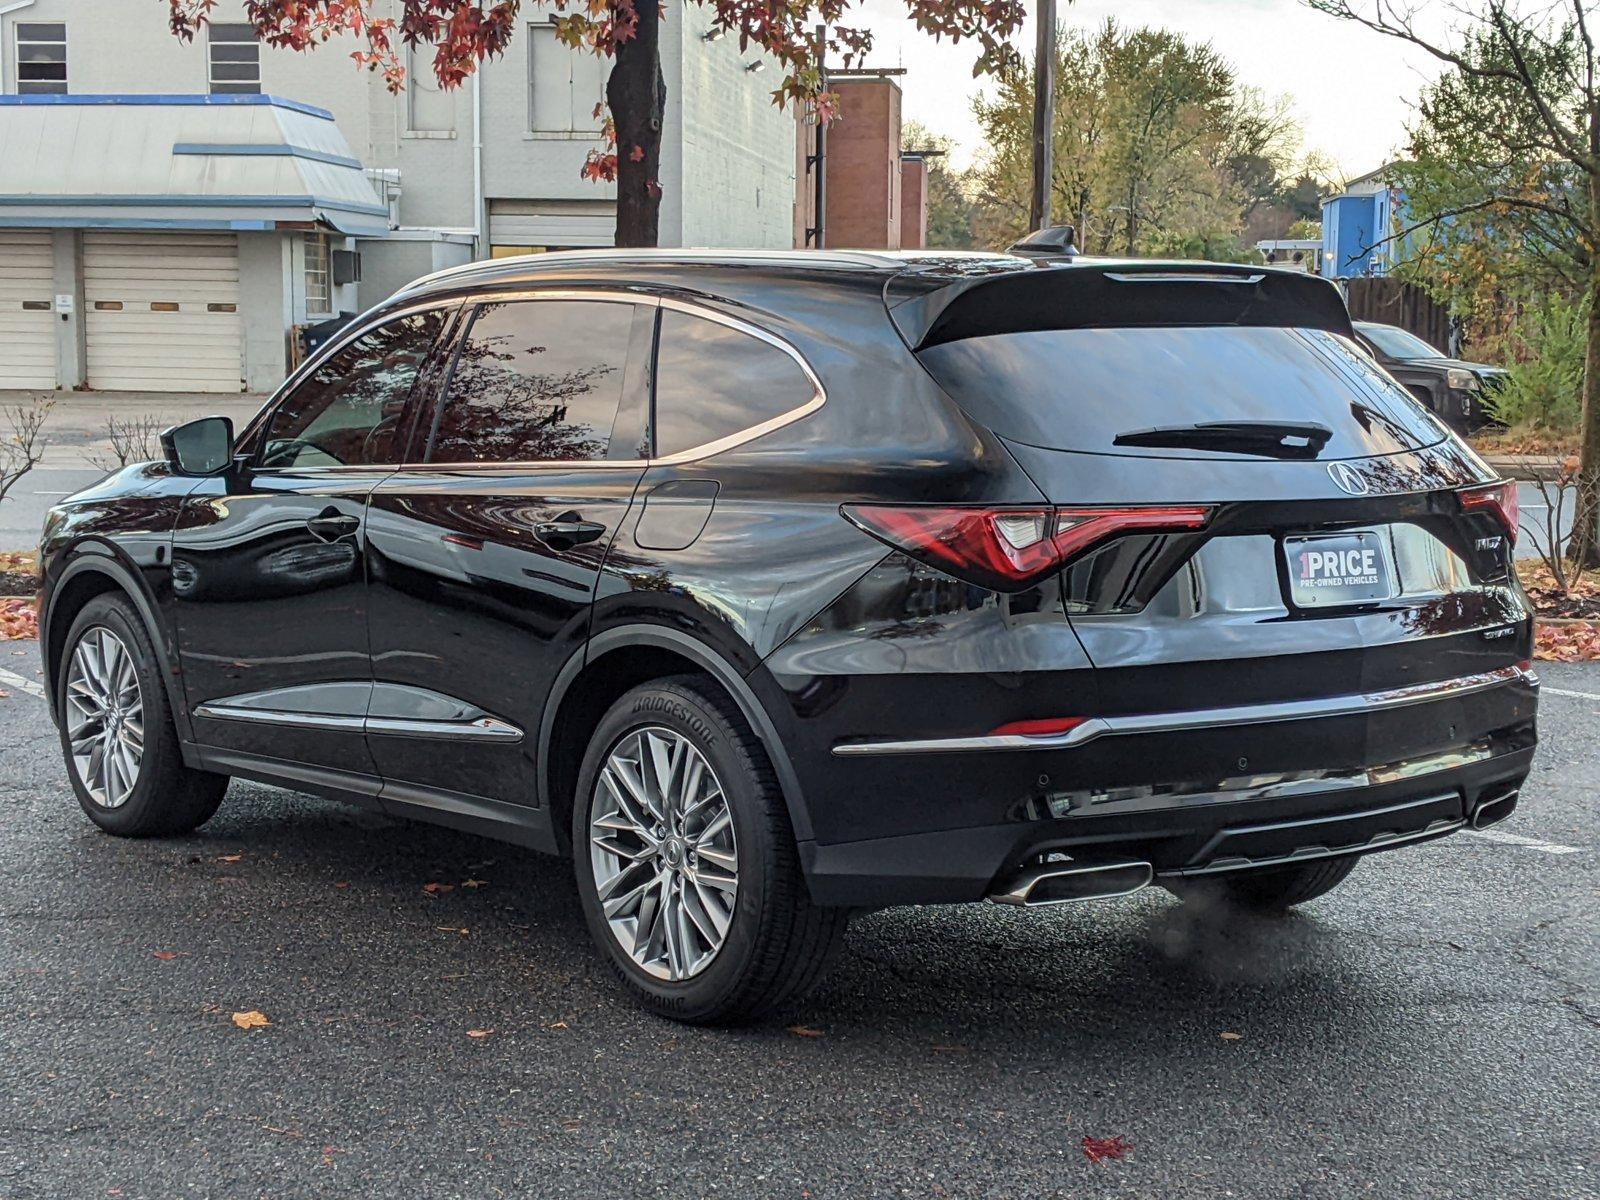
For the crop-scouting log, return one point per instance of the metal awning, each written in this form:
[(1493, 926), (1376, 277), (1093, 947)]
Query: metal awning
[(179, 162)]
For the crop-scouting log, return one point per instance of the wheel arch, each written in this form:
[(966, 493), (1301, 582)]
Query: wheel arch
[(623, 657), (95, 570)]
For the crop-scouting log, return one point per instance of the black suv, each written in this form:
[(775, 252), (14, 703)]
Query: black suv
[(1460, 392), (774, 586)]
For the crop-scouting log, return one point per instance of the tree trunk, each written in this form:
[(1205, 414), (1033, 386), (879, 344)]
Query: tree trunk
[(1585, 546), (637, 96)]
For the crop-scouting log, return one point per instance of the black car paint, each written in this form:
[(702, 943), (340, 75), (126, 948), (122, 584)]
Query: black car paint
[(739, 564)]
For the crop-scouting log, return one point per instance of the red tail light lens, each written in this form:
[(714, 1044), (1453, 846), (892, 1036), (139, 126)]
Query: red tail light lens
[(1499, 499), (1009, 549)]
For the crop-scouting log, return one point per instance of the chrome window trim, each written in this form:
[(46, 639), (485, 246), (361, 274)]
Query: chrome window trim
[(819, 395), (1204, 718), (611, 295)]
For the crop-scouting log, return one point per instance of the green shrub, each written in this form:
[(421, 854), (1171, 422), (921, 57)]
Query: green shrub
[(1545, 387)]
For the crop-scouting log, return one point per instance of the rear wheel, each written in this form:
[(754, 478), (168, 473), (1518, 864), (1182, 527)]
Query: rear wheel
[(686, 861), (1274, 890), (117, 735)]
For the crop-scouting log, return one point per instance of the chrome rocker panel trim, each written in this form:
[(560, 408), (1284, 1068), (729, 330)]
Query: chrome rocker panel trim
[(479, 729), (1205, 718)]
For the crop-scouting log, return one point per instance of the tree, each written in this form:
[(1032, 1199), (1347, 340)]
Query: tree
[(951, 212), (465, 32), (1157, 149), (1504, 178)]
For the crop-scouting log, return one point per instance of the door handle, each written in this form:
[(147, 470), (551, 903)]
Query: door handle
[(330, 527), (566, 531)]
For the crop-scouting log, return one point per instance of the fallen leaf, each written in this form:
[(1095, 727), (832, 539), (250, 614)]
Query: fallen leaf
[(229, 858), (1098, 1150), (556, 1025), (19, 620), (479, 1033), (1229, 1036), (806, 1031), (251, 1020), (474, 883), (435, 889), (167, 955), (342, 884)]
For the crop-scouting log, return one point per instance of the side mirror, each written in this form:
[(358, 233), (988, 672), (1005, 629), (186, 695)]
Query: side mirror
[(200, 447)]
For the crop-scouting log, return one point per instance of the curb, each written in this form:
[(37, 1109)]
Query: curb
[(1525, 466)]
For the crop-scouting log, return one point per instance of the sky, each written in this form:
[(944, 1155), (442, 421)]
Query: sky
[(1352, 90)]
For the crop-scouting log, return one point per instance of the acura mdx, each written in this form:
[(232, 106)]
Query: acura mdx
[(769, 587)]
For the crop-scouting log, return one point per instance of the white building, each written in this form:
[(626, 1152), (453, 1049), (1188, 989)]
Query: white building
[(170, 211)]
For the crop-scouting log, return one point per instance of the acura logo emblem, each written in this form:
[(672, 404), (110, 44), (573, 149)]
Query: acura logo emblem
[(1349, 478)]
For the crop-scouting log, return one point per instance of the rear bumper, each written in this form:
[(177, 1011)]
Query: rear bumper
[(1198, 837), (1249, 788)]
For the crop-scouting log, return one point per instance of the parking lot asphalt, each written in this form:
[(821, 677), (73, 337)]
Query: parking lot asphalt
[(1430, 1029)]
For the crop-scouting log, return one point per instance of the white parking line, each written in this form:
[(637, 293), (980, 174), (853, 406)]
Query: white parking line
[(32, 686), (1547, 690), (1514, 839)]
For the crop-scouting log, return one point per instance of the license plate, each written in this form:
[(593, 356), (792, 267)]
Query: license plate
[(1337, 568)]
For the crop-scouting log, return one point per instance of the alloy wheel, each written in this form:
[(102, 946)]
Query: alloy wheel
[(105, 717), (663, 854)]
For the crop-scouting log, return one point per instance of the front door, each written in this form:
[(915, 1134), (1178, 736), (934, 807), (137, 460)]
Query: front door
[(268, 564), (484, 558)]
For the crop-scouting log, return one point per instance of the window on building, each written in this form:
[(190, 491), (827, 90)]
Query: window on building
[(41, 58), (713, 380), (564, 85), (235, 58), (536, 381), (319, 281), (429, 108), (351, 411)]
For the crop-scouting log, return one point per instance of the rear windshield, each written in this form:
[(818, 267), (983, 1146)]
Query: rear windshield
[(1078, 389)]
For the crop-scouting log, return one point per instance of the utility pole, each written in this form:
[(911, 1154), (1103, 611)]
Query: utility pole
[(818, 161), (1044, 113)]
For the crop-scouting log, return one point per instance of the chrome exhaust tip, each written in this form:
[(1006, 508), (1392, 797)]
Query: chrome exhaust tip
[(1067, 883), (1495, 809)]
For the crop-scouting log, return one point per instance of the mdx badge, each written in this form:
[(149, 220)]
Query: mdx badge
[(1350, 479)]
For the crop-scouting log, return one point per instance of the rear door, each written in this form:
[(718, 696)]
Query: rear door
[(484, 557)]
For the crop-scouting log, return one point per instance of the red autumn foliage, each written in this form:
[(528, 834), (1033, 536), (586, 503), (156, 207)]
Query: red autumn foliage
[(463, 33), (19, 619), (1578, 642), (1111, 1149)]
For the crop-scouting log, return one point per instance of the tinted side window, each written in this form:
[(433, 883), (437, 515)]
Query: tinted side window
[(348, 411), (536, 381), (713, 380)]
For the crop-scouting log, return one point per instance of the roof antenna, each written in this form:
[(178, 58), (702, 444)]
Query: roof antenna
[(1053, 243)]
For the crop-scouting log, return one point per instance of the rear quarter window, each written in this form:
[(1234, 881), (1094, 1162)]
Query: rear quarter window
[(714, 381), (1078, 389)]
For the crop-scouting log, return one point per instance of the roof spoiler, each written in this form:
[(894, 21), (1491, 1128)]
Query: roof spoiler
[(1093, 295)]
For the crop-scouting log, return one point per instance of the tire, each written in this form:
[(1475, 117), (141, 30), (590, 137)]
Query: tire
[(165, 796), (1274, 890), (775, 943)]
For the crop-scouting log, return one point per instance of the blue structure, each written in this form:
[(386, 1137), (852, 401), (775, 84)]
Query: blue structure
[(1356, 225)]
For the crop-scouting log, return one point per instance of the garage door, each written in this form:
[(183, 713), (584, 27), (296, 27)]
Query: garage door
[(27, 325), (162, 312)]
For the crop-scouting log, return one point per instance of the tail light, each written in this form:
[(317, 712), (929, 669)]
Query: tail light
[(1497, 498), (1009, 549)]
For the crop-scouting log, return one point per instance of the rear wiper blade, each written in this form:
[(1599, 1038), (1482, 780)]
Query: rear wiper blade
[(1271, 439)]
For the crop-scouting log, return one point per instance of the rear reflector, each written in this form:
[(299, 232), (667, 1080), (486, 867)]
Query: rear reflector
[(1499, 499), (1009, 549), (1040, 728)]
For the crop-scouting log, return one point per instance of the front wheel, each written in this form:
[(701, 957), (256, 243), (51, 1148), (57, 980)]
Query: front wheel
[(686, 861), (117, 735), (1276, 889)]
